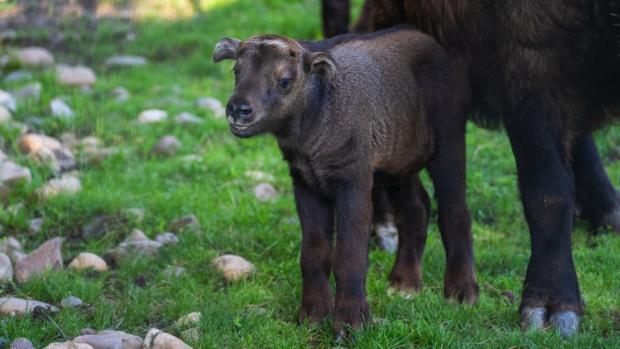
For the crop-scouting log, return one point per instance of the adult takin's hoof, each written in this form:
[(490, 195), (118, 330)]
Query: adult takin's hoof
[(315, 313), (612, 220), (566, 323)]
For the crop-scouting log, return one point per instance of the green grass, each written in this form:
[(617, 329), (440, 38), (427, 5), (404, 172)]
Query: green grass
[(258, 312)]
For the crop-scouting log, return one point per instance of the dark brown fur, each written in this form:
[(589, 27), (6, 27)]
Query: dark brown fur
[(356, 108), (550, 71)]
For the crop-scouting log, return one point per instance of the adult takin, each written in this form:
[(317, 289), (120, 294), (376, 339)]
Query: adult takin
[(346, 112)]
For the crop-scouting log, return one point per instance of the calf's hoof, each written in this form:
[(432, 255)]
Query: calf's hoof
[(350, 315), (316, 311), (566, 323), (462, 289)]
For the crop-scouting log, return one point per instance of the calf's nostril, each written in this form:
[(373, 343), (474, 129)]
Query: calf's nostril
[(244, 110)]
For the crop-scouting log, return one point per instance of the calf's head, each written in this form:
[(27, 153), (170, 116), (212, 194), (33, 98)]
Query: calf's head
[(273, 78)]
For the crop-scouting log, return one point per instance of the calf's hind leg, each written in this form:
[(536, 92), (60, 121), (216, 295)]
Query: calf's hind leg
[(411, 207)]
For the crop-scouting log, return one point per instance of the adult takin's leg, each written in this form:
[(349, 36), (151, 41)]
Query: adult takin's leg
[(317, 225), (412, 206), (595, 193), (353, 222), (551, 291), (447, 171), (336, 14), (384, 229)]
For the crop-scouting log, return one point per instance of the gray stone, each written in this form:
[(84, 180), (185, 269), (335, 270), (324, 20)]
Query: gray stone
[(157, 339), (102, 225), (172, 271), (6, 269), (35, 225), (212, 104), (187, 222), (126, 61), (166, 146), (265, 192), (189, 320), (18, 306), (60, 109), (187, 118), (167, 238), (47, 256), (18, 75), (30, 91), (5, 114), (22, 343), (150, 116), (121, 94), (35, 57), (8, 101), (12, 173), (67, 184), (68, 345), (71, 302), (75, 76)]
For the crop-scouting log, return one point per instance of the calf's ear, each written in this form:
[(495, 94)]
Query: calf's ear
[(322, 63), (226, 48)]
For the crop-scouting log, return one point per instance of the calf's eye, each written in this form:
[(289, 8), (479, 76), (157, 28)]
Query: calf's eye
[(284, 83)]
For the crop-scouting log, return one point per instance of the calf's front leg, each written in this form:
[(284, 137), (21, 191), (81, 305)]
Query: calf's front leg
[(317, 225), (353, 221)]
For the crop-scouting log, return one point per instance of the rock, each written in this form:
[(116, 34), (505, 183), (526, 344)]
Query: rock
[(156, 339), (6, 269), (126, 61), (166, 146), (171, 271), (187, 118), (87, 331), (121, 94), (47, 256), (69, 140), (109, 339), (12, 248), (259, 176), (12, 173), (17, 75), (152, 116), (191, 335), (30, 91), (75, 76), (265, 192), (22, 343), (47, 150), (5, 114), (213, 104), (101, 225), (18, 306), (60, 109), (71, 302), (8, 101), (35, 57), (35, 225), (68, 345), (187, 222), (86, 260), (167, 238), (2, 155), (190, 319), (232, 267), (136, 235), (67, 184), (134, 213), (136, 244)]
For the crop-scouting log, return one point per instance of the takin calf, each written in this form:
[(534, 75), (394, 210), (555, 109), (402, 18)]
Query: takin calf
[(346, 111)]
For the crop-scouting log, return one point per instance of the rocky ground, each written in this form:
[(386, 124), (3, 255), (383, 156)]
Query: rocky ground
[(131, 218)]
